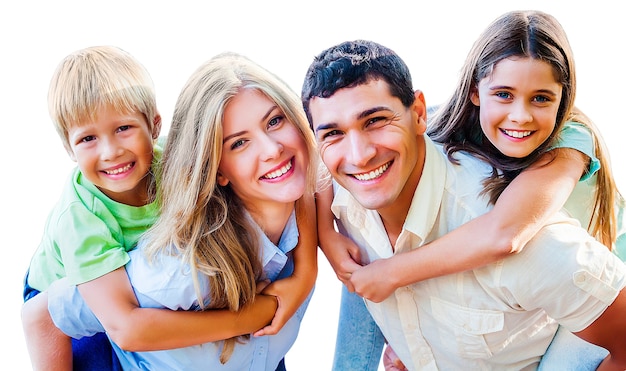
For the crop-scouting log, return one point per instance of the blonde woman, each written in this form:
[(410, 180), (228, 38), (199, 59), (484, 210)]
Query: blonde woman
[(240, 159)]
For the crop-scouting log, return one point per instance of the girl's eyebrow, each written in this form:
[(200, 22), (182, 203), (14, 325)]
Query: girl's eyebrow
[(506, 87)]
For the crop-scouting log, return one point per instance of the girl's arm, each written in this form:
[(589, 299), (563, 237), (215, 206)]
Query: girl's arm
[(132, 328), (521, 210), (342, 254), (292, 291)]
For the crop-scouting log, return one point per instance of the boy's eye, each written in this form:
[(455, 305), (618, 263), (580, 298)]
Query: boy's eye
[(123, 128), (88, 138)]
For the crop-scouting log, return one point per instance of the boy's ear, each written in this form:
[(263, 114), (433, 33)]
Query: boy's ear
[(70, 152), (156, 126)]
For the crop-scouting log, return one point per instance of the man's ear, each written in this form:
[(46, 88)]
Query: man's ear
[(156, 126), (474, 96), (222, 180), (419, 107)]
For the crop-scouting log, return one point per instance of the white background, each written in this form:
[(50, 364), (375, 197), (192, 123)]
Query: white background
[(172, 38)]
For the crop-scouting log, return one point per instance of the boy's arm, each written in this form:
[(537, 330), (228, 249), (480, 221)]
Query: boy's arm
[(132, 328), (48, 347), (342, 253), (521, 210), (292, 291)]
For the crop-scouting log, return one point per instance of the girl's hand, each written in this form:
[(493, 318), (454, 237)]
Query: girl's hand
[(375, 281)]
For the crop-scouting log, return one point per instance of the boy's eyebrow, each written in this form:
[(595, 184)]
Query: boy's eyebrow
[(360, 116)]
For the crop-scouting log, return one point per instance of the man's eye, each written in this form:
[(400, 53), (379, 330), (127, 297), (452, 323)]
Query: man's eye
[(330, 133)]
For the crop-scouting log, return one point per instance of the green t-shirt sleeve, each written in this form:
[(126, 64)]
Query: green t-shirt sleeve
[(88, 244), (577, 136)]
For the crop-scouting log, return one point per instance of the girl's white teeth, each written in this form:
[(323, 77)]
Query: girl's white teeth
[(279, 172), (372, 174), (118, 170), (517, 134)]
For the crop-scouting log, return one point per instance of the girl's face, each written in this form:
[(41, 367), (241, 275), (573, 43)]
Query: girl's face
[(264, 157), (518, 104)]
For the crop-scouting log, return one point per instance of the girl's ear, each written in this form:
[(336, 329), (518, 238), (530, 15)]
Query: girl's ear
[(222, 180), (474, 97)]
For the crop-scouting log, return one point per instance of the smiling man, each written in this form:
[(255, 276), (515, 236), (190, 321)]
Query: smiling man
[(395, 190)]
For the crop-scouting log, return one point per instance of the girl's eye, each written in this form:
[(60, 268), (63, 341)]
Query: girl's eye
[(123, 128), (503, 95), (541, 99)]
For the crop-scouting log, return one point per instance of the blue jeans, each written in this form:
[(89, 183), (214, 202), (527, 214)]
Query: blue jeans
[(569, 352), (359, 342)]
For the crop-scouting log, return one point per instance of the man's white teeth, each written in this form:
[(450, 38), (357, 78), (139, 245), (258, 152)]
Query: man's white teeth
[(517, 134), (372, 174), (118, 170), (279, 172)]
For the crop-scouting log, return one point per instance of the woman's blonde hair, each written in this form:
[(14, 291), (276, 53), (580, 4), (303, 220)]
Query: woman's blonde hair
[(456, 124), (202, 222), (96, 77)]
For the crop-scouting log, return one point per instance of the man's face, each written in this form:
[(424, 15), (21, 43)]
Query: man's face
[(371, 143)]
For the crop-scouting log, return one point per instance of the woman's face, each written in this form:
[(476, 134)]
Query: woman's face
[(519, 103), (264, 156)]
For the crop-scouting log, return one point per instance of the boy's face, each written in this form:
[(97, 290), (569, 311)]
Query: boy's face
[(371, 143), (115, 153)]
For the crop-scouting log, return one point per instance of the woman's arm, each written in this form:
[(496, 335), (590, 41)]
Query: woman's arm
[(342, 253), (133, 328), (292, 291), (521, 210)]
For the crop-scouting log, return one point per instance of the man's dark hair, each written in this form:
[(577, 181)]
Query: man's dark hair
[(353, 63)]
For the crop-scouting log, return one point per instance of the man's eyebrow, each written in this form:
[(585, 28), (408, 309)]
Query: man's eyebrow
[(360, 116)]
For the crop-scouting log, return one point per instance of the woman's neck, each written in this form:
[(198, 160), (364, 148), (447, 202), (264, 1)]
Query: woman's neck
[(272, 219)]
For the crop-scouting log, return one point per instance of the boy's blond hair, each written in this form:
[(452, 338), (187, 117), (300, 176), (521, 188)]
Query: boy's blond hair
[(96, 77)]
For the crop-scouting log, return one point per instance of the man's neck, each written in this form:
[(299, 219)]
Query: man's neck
[(395, 215)]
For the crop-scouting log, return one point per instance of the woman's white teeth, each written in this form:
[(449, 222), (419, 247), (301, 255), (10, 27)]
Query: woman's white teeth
[(118, 170), (279, 172), (372, 174), (517, 134)]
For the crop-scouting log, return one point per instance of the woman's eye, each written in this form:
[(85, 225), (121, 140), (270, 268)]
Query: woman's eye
[(275, 121), (237, 143)]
